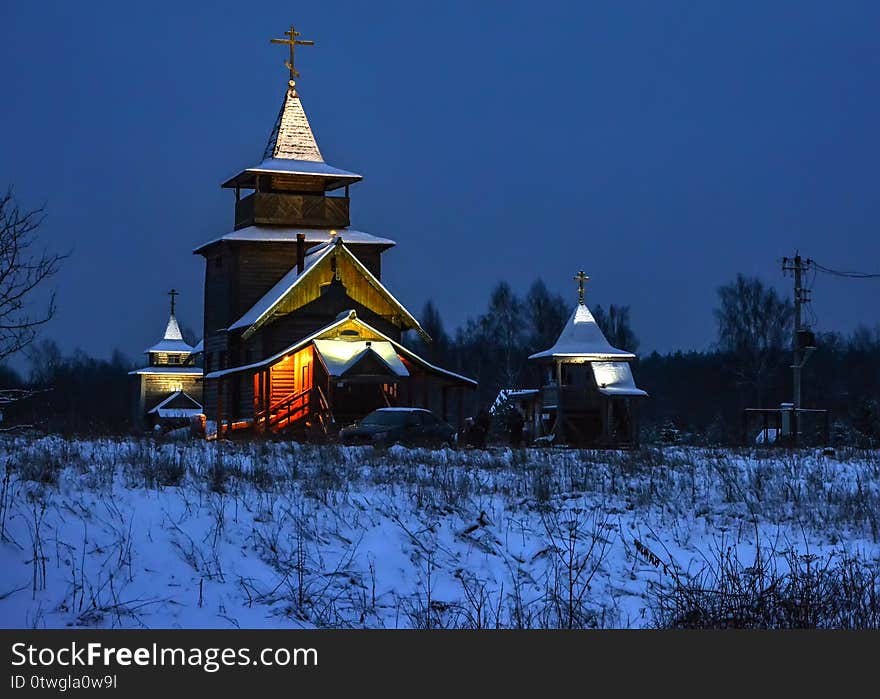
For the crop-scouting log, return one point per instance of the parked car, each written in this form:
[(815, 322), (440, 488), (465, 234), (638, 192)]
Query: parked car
[(413, 426)]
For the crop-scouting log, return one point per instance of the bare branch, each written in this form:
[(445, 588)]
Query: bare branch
[(22, 271)]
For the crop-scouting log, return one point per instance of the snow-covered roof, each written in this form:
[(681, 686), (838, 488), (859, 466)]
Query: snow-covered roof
[(508, 393), (260, 311), (283, 287), (340, 320), (340, 356), (172, 340), (582, 338), (170, 370), (266, 234), (292, 150), (284, 166), (615, 379), (178, 404)]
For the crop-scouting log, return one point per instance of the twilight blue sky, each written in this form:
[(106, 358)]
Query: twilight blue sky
[(663, 146)]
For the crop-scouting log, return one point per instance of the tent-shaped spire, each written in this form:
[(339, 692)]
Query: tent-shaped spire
[(292, 151), (172, 330), (292, 136), (172, 340)]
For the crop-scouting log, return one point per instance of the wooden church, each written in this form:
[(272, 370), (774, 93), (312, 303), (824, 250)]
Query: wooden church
[(300, 334), (168, 391)]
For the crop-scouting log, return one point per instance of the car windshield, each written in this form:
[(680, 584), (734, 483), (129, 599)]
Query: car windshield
[(386, 418)]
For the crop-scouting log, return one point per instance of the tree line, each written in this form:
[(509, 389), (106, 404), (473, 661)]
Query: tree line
[(696, 395)]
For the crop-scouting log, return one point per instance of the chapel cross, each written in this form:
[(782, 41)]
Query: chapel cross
[(580, 278), (172, 294), (292, 42)]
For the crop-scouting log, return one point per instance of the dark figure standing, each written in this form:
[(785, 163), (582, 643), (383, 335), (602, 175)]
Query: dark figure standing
[(515, 424)]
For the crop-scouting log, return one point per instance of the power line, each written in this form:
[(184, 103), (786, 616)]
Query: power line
[(846, 275)]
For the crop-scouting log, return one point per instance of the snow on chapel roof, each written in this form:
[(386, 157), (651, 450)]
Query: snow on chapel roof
[(582, 338), (172, 341)]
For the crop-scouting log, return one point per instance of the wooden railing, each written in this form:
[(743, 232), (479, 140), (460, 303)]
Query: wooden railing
[(323, 413), (294, 408)]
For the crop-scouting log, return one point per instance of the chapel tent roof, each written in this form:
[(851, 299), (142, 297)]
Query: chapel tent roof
[(273, 234), (582, 338), (327, 331), (293, 150), (172, 340), (261, 312)]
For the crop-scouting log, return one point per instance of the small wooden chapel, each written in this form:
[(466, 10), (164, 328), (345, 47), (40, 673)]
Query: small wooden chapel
[(300, 334), (588, 396), (168, 391)]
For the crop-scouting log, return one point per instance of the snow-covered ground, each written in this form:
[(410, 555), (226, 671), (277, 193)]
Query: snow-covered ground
[(133, 533)]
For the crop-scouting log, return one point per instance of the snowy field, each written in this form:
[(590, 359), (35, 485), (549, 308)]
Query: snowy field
[(135, 534)]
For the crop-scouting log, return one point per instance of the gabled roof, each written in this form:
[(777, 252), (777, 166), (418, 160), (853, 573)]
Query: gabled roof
[(292, 150), (341, 356), (172, 340), (583, 339), (331, 331), (318, 259), (266, 234), (178, 404)]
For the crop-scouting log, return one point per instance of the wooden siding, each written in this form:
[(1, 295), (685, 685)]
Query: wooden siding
[(322, 281), (164, 358), (238, 274), (275, 209), (209, 396), (288, 329), (157, 388)]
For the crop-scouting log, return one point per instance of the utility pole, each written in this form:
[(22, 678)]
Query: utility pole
[(800, 349)]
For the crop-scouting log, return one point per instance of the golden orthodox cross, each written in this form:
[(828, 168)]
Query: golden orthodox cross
[(292, 42), (580, 278), (172, 294)]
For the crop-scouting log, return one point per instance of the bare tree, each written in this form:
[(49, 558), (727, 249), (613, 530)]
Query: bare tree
[(22, 270), (615, 325), (546, 314), (754, 324), (504, 325)]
